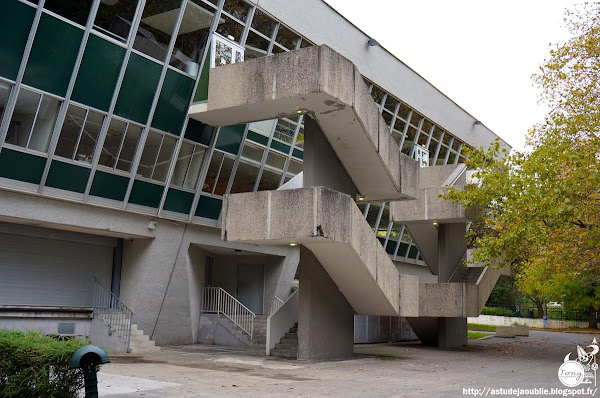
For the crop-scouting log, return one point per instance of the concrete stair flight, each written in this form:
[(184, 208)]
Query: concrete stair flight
[(472, 275), (288, 345), (140, 343)]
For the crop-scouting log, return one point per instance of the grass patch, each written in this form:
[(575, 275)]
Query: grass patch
[(483, 328), (476, 335)]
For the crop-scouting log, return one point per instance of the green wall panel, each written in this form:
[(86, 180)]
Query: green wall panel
[(98, 73), (138, 88), (279, 146), (146, 194), (209, 207), (230, 138), (15, 23), (298, 153), (261, 139), (199, 132), (109, 186), (21, 166), (68, 177), (53, 55), (179, 201), (172, 106), (202, 88)]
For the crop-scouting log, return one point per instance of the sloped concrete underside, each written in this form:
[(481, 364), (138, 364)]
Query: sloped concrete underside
[(320, 82), (332, 227)]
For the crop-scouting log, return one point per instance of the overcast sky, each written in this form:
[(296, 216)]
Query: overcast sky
[(480, 53)]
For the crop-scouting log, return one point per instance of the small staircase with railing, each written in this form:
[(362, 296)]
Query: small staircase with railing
[(119, 320)]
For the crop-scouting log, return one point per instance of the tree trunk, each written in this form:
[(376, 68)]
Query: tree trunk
[(593, 324), (540, 307)]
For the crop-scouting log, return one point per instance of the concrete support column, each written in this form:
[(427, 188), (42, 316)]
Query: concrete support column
[(452, 245), (322, 168), (440, 332), (326, 319)]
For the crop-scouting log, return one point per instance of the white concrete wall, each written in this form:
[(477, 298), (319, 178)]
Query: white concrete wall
[(535, 323)]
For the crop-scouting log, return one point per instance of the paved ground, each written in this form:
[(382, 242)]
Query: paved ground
[(379, 370)]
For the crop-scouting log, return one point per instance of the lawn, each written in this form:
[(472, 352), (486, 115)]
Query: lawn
[(476, 335), (480, 327)]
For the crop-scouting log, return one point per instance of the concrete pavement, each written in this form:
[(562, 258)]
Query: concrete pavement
[(377, 370)]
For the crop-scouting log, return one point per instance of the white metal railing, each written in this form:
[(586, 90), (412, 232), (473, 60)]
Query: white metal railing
[(218, 301), (117, 315), (277, 302)]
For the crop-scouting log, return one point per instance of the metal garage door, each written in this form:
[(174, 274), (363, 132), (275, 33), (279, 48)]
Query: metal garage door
[(44, 267)]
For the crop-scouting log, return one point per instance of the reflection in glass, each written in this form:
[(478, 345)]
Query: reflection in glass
[(89, 137), (192, 37), (262, 23), (76, 11), (269, 180), (156, 27), (4, 92), (230, 29), (295, 167), (120, 145), (32, 120), (237, 9), (245, 177), (79, 134), (187, 168), (286, 38), (256, 45), (114, 17)]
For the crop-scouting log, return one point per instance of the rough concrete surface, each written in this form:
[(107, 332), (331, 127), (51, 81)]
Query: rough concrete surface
[(377, 370)]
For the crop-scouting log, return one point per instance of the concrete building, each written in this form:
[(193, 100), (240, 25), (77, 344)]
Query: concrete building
[(229, 172)]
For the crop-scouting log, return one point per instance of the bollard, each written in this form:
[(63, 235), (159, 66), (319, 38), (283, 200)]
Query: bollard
[(89, 358), (545, 321)]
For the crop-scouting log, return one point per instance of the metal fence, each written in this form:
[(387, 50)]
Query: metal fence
[(218, 301), (554, 313), (117, 315)]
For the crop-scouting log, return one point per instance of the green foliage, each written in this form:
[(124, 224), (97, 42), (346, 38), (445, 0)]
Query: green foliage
[(36, 366), (497, 311), (481, 327), (541, 209), (476, 335)]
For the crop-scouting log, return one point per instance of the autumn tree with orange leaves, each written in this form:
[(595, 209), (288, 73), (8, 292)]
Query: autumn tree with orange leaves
[(542, 208)]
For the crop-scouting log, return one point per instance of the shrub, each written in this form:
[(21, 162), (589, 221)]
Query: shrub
[(497, 311), (36, 366)]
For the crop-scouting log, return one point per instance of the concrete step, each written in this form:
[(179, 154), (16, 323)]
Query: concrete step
[(286, 346), (291, 335), (287, 340), (285, 353), (143, 350), (139, 338)]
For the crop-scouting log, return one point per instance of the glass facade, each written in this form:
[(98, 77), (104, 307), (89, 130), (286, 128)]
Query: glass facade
[(101, 110)]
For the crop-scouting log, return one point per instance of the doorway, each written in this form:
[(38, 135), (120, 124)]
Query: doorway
[(250, 286)]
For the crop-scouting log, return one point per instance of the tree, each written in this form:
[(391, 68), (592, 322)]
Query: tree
[(541, 209)]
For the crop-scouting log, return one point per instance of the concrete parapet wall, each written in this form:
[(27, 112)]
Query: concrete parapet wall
[(329, 89), (530, 322), (329, 224)]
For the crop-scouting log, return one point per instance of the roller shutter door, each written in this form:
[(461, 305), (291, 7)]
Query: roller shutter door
[(41, 268)]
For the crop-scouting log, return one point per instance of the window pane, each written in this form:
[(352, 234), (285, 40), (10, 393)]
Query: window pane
[(224, 176), (22, 117), (192, 37), (245, 177), (69, 134), (194, 170), (89, 136), (229, 28), (237, 9), (269, 180), (44, 123), (4, 92), (164, 158), (112, 143), (183, 160), (114, 17), (156, 27), (275, 160), (75, 11), (150, 153), (252, 152), (213, 171), (286, 38), (129, 147), (263, 23), (295, 167), (256, 46)]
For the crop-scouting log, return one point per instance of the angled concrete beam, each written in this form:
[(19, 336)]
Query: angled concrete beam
[(328, 88), (329, 224)]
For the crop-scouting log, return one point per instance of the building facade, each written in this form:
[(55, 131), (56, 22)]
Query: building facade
[(106, 175)]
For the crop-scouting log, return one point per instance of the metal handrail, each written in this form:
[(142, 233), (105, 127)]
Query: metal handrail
[(277, 302), (218, 301), (117, 315)]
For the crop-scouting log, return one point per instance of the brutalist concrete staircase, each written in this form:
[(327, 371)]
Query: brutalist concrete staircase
[(259, 335), (288, 345)]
